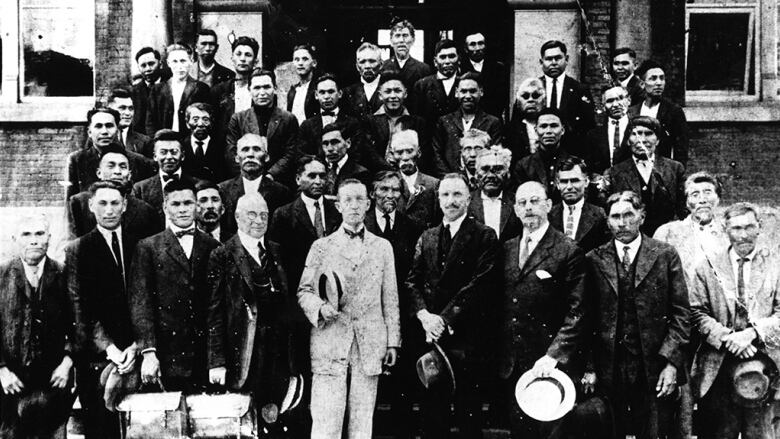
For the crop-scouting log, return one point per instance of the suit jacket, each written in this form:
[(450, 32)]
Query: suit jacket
[(83, 164), (420, 203), (460, 288), (97, 291), (448, 132), (282, 137), (429, 100), (139, 220), (222, 98), (238, 309), (219, 74), (368, 311), (576, 106), (160, 111), (169, 296), (597, 149), (691, 248), (540, 166), (376, 129), (311, 107), (495, 80), (138, 143), (16, 316), (592, 230), (510, 225), (310, 135), (352, 169), (549, 287), (140, 95), (151, 191), (713, 300), (212, 166), (357, 103), (662, 309), (674, 141), (412, 71), (668, 198), (516, 136), (275, 194)]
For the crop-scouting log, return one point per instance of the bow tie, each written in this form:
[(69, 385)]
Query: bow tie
[(352, 234), (180, 233), (615, 122), (169, 177), (331, 113)]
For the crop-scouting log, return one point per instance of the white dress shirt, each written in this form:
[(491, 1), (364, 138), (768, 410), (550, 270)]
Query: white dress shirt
[(185, 241), (454, 225), (633, 248), (491, 207), (380, 219), (734, 257), (214, 233), (251, 245), (645, 167), (194, 145), (533, 136), (177, 90), (106, 234), (446, 82), (548, 83), (33, 273), (124, 135), (252, 186), (467, 123), (162, 180), (477, 65), (576, 212), (330, 119), (369, 88), (309, 204), (299, 102), (534, 236), (622, 125), (644, 110), (242, 99), (401, 62)]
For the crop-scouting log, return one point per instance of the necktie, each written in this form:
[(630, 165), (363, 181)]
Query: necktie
[(615, 140), (525, 252), (180, 233), (569, 229), (626, 261), (319, 228), (741, 305), (199, 153), (554, 94), (34, 280), (261, 254), (117, 252), (388, 229), (445, 244), (358, 234), (330, 183)]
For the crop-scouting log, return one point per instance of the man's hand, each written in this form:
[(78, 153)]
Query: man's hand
[(667, 381), (115, 355), (588, 382), (150, 368), (391, 356), (433, 325), (328, 312), (738, 342), (130, 353), (59, 378), (10, 382), (217, 375), (544, 366)]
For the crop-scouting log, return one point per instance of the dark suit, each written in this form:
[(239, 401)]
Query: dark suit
[(449, 131), (169, 296), (674, 141), (211, 166), (457, 289), (592, 230), (412, 71), (355, 101), (516, 136), (540, 166), (635, 90), (151, 191), (139, 220), (311, 107), (576, 106), (664, 196), (377, 131), (275, 194), (510, 225), (222, 98), (160, 112), (137, 142), (660, 303), (495, 85), (421, 202), (83, 164), (140, 95), (351, 169), (597, 148), (310, 135), (282, 137), (429, 100), (219, 73)]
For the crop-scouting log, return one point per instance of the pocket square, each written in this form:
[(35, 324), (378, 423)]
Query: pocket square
[(541, 274)]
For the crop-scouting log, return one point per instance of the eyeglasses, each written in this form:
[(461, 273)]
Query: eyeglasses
[(534, 95), (252, 216), (535, 201)]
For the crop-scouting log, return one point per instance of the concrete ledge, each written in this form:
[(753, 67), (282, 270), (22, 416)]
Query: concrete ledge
[(732, 113), (56, 110)]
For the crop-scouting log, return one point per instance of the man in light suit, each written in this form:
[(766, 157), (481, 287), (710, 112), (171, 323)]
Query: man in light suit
[(402, 40), (356, 334), (493, 202), (544, 277), (736, 309), (563, 92), (418, 199), (362, 98)]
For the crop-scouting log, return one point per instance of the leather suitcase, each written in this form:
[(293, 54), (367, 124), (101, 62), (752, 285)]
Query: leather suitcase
[(161, 415), (230, 415)]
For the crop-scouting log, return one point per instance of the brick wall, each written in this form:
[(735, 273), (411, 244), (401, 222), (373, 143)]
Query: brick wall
[(113, 30), (598, 13)]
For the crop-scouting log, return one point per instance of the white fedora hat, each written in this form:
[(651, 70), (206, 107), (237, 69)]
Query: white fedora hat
[(545, 399)]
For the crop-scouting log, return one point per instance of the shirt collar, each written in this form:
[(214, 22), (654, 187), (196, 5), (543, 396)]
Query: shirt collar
[(559, 79), (373, 83), (444, 78), (625, 82), (207, 70), (577, 206), (249, 242), (537, 234), (205, 141), (174, 228), (454, 225), (177, 173), (381, 110), (341, 162), (734, 257), (39, 268), (484, 196), (650, 160), (380, 214), (309, 202), (107, 233), (633, 246)]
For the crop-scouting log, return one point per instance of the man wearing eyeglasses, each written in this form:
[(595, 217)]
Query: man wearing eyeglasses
[(540, 166), (521, 137), (472, 143)]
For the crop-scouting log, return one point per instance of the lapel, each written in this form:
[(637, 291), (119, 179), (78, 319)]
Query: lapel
[(174, 250), (155, 192), (332, 216), (273, 123), (587, 220), (189, 89), (556, 216), (198, 248), (567, 91), (506, 211), (512, 259), (758, 271), (365, 250), (606, 262), (540, 253), (458, 243), (646, 256), (130, 212), (480, 119), (253, 126), (46, 279), (663, 112), (237, 188), (724, 273), (384, 130), (411, 193), (477, 209), (361, 99), (19, 279), (242, 262), (455, 124), (300, 212)]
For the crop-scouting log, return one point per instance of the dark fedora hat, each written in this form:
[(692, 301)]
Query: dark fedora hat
[(435, 369), (753, 379)]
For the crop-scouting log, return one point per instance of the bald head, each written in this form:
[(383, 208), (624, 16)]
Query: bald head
[(252, 215), (532, 205)]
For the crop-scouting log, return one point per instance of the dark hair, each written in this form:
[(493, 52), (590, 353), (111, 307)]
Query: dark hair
[(202, 185), (305, 160), (390, 75), (405, 123), (624, 50), (263, 72), (610, 85), (630, 196), (349, 181), (246, 41), (206, 33), (105, 184), (453, 176), (647, 122), (166, 135), (202, 106), (402, 24), (569, 163), (551, 112), (386, 175), (307, 47), (119, 93), (145, 50), (552, 44), (444, 44), (344, 129), (113, 148), (178, 185), (472, 76), (647, 65), (703, 177), (326, 77), (94, 111)]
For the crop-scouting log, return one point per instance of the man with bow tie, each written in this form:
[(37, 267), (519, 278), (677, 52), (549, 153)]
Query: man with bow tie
[(418, 199), (169, 297), (355, 329)]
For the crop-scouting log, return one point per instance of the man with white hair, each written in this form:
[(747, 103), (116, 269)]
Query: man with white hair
[(521, 134), (361, 99), (492, 203), (418, 198), (472, 143)]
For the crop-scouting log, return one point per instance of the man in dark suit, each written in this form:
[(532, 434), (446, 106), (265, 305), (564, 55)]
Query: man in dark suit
[(607, 145), (98, 266), (152, 72), (472, 143), (121, 100), (362, 98), (168, 155), (563, 92), (252, 157), (169, 99), (674, 137), (336, 141), (207, 70), (203, 153), (211, 210), (521, 137), (434, 95), (36, 352), (418, 199), (169, 296), (233, 95), (583, 222), (637, 288), (544, 277), (659, 181), (494, 74), (623, 66), (139, 220), (493, 203), (452, 276), (540, 166), (102, 127), (450, 127), (279, 127), (301, 100), (402, 40)]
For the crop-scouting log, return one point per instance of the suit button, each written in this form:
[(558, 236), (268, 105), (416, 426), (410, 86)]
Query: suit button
[(514, 300), (514, 319)]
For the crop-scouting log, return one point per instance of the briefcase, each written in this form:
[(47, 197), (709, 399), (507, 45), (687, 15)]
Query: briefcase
[(160, 415), (229, 415)]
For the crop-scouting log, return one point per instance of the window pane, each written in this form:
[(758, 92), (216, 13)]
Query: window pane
[(58, 39), (719, 52)]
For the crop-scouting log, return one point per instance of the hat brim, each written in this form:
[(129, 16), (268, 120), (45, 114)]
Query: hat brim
[(531, 407), (424, 377), (294, 394)]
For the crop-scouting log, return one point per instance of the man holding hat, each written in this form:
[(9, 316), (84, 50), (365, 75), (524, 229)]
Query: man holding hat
[(736, 309)]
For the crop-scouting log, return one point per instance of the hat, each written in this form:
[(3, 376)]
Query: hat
[(287, 394), (116, 386), (752, 380), (547, 398), (435, 369), (330, 289)]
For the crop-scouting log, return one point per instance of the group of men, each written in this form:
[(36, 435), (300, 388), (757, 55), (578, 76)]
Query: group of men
[(219, 240)]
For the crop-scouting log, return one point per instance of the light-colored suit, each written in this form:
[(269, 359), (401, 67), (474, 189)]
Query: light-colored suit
[(690, 245), (367, 324)]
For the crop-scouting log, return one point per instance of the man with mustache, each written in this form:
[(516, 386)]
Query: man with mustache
[(151, 72), (452, 285), (544, 277), (641, 323), (301, 98), (336, 141), (563, 92), (450, 127), (659, 181), (674, 137), (233, 95), (121, 101), (207, 70), (434, 95), (521, 137), (472, 143), (402, 40), (623, 66), (362, 98), (208, 216), (418, 199), (168, 155), (493, 73), (607, 145), (204, 153), (493, 202)]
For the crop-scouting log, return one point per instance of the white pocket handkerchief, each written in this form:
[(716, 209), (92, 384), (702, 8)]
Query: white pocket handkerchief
[(541, 274)]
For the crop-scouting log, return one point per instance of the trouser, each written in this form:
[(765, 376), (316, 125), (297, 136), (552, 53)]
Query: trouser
[(332, 397), (35, 424), (400, 389), (99, 423)]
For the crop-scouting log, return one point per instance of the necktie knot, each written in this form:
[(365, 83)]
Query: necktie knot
[(180, 233), (571, 207), (742, 261), (358, 234)]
